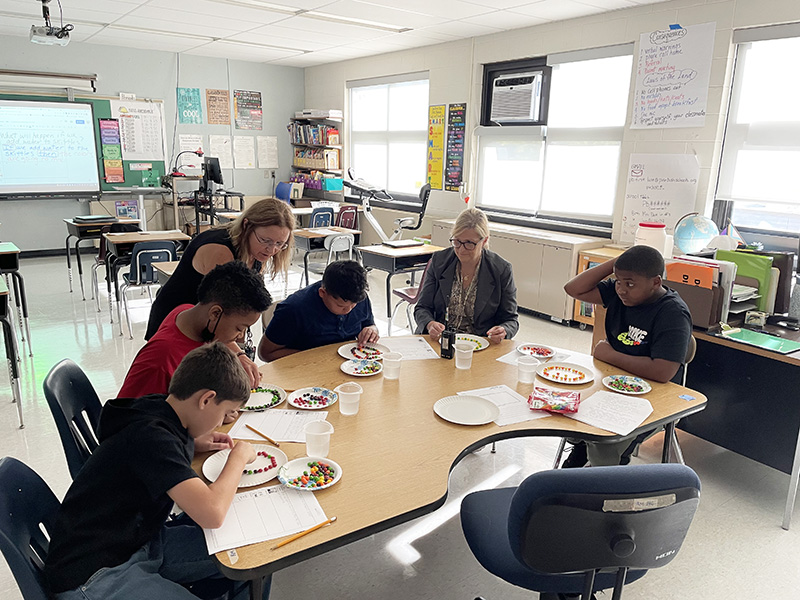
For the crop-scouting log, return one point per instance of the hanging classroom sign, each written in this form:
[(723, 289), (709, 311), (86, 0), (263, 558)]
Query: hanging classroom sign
[(218, 107), (436, 122), (672, 76), (454, 170), (247, 109), (190, 110)]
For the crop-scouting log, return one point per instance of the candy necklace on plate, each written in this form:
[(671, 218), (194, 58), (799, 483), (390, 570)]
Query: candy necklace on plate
[(568, 373), (312, 398), (536, 350), (627, 384), (365, 351), (266, 466), (480, 342), (361, 368), (264, 397)]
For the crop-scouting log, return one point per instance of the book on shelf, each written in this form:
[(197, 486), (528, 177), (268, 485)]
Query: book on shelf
[(331, 159), (333, 137)]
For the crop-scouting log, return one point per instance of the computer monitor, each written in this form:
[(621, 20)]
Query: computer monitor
[(211, 173)]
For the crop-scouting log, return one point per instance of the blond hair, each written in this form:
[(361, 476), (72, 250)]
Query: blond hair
[(263, 213), (472, 218)]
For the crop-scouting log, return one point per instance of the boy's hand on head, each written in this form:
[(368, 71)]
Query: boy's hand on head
[(368, 335), (211, 442), (251, 369), (496, 334), (243, 450)]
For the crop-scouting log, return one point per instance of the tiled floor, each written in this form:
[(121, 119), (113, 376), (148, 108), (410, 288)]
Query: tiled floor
[(735, 549)]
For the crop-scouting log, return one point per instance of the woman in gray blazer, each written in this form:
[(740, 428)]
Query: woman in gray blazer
[(469, 285)]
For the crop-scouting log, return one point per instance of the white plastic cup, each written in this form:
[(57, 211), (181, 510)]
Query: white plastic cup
[(391, 365), (318, 438), (349, 397), (464, 352), (526, 368)]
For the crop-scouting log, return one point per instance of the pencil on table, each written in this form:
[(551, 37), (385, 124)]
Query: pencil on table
[(302, 533), (263, 435)]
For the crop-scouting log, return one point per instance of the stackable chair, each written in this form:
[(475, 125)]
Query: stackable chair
[(577, 531), (347, 217), (409, 296), (99, 261), (283, 191), (142, 273), (28, 511), (335, 245), (322, 216), (76, 411)]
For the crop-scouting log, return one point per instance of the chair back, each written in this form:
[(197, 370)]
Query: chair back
[(347, 217), (339, 243), (76, 411), (690, 352), (26, 506), (424, 196), (322, 216), (143, 256), (283, 191), (622, 517)]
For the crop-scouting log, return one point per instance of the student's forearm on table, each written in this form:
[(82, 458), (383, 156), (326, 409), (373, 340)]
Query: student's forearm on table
[(648, 368)]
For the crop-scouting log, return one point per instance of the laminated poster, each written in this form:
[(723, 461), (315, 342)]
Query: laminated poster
[(219, 107), (189, 108), (436, 123), (456, 121), (247, 109)]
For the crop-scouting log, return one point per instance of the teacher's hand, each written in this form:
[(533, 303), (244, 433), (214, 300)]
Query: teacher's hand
[(496, 334), (251, 369), (435, 329)]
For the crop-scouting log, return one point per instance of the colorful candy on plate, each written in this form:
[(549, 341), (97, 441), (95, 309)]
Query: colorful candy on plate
[(271, 463), (318, 474), (627, 384), (536, 350)]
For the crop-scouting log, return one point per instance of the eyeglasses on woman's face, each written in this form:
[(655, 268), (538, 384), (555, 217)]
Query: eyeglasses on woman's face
[(467, 244), (270, 244)]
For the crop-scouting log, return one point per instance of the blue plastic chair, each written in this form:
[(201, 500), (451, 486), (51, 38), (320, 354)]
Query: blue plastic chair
[(321, 216), (142, 273), (283, 191), (76, 411), (571, 531)]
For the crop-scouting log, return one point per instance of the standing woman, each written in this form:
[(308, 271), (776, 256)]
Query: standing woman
[(470, 285), (261, 237)]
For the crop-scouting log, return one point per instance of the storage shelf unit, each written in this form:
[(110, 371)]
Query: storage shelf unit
[(312, 152), (543, 261), (584, 312)]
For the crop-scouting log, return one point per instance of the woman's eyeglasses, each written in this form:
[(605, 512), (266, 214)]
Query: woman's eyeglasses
[(269, 244), (466, 244)]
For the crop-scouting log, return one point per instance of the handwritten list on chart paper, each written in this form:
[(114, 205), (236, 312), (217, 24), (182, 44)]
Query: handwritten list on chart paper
[(672, 77)]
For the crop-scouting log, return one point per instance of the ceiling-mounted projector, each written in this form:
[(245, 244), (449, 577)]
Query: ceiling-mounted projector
[(49, 36)]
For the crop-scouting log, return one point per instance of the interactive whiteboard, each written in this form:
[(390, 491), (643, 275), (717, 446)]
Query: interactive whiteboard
[(47, 149)]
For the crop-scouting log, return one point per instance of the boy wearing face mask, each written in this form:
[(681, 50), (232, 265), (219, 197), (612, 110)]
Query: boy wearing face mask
[(231, 298)]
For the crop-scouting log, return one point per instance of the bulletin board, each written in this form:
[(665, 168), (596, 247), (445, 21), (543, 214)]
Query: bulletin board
[(143, 150)]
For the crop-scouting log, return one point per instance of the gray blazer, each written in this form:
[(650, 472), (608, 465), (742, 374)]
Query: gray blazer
[(495, 301)]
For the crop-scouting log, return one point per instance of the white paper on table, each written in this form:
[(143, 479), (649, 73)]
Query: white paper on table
[(511, 357), (513, 406), (280, 425), (221, 147), (264, 514), (613, 412), (415, 348), (325, 231), (244, 152)]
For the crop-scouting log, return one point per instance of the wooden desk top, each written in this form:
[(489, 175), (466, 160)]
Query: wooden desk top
[(397, 428), (167, 268), (146, 236), (8, 248), (315, 233), (422, 250), (793, 358)]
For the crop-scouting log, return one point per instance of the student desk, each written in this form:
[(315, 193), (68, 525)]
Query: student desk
[(753, 408), (395, 423), (164, 270), (304, 240), (120, 246), (9, 265), (10, 340), (81, 232), (394, 261)]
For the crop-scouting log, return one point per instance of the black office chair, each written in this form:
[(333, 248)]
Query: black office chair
[(76, 411), (577, 531)]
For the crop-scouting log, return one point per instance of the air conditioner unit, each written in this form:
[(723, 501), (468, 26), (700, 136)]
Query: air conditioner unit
[(516, 98)]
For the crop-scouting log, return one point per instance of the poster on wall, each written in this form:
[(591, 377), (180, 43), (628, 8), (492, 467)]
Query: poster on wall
[(661, 188), (141, 128), (267, 151), (189, 108), (436, 122), (244, 152), (189, 142), (247, 109), (454, 169), (672, 76), (218, 107), (220, 147)]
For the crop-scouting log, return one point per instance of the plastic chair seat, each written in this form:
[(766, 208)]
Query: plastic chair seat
[(409, 294)]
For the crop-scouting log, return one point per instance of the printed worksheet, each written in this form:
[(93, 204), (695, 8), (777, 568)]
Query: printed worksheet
[(613, 412), (415, 348), (513, 406), (280, 425)]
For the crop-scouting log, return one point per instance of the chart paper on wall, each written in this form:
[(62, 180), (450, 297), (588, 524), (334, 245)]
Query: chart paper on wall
[(141, 128), (267, 151), (244, 152), (220, 146)]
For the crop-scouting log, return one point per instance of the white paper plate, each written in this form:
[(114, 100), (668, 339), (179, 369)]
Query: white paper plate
[(466, 410), (329, 396), (566, 373), (295, 468), (351, 351), (539, 351), (263, 400), (212, 467), (481, 343), (356, 367), (627, 384)]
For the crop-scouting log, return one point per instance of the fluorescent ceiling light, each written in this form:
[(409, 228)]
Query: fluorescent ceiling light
[(190, 36), (263, 46), (278, 8), (314, 14)]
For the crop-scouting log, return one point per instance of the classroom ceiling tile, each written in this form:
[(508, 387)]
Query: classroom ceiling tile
[(147, 41), (308, 43), (445, 9), (142, 23), (557, 10), (496, 4), (248, 16), (461, 29), (321, 40), (505, 19), (223, 49), (343, 31), (384, 15)]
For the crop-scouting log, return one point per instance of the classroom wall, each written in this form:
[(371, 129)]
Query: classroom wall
[(37, 225), (456, 75)]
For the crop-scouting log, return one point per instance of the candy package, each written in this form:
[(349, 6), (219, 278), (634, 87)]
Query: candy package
[(551, 400)]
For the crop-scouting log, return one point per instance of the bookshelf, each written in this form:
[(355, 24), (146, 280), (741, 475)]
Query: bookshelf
[(584, 312), (317, 156)]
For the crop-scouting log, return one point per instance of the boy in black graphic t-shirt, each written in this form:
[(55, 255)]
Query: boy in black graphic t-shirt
[(648, 327)]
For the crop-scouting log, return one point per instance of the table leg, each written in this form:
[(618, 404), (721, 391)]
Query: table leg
[(80, 267), (110, 266), (389, 295), (305, 265), (792, 492), (19, 286), (69, 264), (10, 339), (257, 588), (669, 430), (18, 303)]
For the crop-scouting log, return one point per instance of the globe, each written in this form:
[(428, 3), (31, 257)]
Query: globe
[(693, 233)]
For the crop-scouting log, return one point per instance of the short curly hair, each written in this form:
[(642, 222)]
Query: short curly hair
[(641, 260), (235, 287)]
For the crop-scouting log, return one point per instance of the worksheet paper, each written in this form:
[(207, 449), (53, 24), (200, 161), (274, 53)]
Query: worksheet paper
[(415, 348), (244, 152), (324, 231), (280, 425), (513, 406), (267, 151), (264, 514), (221, 147), (613, 412)]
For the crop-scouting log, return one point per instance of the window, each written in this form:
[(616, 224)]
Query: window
[(569, 168), (389, 131), (759, 182)]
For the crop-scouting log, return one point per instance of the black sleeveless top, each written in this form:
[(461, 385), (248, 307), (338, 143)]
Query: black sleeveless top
[(181, 288)]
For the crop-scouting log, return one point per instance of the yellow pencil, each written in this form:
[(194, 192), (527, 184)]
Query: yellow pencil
[(302, 533), (263, 435)]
